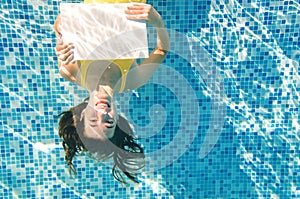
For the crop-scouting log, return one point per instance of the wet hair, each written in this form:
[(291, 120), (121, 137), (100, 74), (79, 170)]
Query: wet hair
[(128, 155)]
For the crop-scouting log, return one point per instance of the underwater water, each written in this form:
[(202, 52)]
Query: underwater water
[(219, 119)]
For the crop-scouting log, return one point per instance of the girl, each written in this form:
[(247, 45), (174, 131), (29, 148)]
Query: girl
[(94, 125)]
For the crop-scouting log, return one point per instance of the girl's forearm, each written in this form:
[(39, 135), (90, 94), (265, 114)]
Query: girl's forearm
[(163, 41)]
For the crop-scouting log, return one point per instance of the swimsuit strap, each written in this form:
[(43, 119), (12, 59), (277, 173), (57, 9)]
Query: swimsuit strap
[(84, 65), (124, 65)]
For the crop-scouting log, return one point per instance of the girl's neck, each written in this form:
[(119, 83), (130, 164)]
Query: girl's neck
[(107, 88), (110, 77)]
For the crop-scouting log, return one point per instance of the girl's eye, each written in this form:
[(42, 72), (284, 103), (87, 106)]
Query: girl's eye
[(93, 122)]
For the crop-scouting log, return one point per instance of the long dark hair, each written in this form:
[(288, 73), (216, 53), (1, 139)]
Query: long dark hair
[(128, 155)]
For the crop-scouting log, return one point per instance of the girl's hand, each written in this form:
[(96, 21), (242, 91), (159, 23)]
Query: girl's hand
[(141, 11), (64, 52)]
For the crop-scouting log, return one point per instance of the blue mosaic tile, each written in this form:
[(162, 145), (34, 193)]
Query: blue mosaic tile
[(223, 107)]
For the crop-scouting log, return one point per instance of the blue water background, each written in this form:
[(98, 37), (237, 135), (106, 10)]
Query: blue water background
[(225, 102)]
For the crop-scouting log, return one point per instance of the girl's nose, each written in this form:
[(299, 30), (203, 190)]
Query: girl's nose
[(107, 110)]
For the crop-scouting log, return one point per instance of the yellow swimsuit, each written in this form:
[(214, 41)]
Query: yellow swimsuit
[(123, 64)]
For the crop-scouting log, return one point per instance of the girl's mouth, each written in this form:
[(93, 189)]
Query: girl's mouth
[(103, 102), (110, 123)]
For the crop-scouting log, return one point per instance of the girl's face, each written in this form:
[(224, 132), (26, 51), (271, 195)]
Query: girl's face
[(100, 116)]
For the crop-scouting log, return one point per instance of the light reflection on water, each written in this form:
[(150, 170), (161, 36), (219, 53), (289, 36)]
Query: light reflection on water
[(253, 46)]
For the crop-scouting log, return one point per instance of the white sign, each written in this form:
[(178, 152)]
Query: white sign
[(102, 31)]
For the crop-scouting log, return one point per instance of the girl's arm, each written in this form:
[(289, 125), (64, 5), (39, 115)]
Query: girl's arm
[(140, 74)]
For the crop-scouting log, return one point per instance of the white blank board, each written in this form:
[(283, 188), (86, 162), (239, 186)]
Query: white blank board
[(102, 31)]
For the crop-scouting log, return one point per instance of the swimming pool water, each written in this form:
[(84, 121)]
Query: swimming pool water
[(219, 119)]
